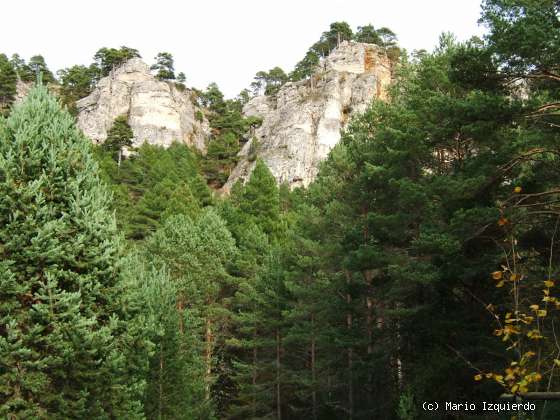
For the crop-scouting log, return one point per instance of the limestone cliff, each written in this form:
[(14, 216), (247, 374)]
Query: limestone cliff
[(302, 123), (22, 90), (158, 112)]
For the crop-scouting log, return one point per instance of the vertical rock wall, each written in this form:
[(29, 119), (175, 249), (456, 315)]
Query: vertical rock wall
[(158, 112), (303, 122)]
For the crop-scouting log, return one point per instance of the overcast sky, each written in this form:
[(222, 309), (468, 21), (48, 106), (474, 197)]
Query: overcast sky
[(226, 41)]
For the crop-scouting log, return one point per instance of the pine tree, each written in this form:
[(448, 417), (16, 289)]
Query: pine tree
[(119, 135), (329, 40), (153, 183), (37, 65), (253, 248), (76, 82), (269, 82), (367, 34), (23, 70), (180, 83), (108, 59), (164, 66), (221, 158), (166, 395), (8, 79), (196, 255), (165, 199), (62, 334), (260, 198), (229, 130), (403, 197)]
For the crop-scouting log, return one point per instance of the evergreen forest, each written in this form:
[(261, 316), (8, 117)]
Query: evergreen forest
[(421, 265)]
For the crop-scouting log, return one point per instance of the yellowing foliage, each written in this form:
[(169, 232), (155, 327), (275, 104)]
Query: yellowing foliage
[(518, 327), (497, 275)]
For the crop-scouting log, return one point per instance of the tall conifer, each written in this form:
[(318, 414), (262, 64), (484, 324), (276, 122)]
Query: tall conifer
[(62, 335)]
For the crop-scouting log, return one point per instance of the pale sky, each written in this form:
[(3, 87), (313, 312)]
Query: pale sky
[(226, 41)]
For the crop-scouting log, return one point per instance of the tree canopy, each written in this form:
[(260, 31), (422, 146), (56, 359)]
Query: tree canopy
[(164, 66), (65, 337)]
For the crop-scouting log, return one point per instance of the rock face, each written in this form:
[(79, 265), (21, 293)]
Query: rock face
[(158, 112), (303, 122), (22, 90)]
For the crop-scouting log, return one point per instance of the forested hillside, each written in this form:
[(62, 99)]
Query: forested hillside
[(421, 265)]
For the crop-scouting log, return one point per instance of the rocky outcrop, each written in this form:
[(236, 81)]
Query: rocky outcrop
[(302, 123), (22, 90), (158, 112)]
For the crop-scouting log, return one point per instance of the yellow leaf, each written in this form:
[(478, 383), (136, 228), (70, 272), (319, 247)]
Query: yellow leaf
[(478, 377), (517, 190), (497, 275), (514, 277), (500, 284), (541, 313), (549, 283), (534, 334), (514, 389), (510, 375), (534, 307), (537, 377), (557, 362)]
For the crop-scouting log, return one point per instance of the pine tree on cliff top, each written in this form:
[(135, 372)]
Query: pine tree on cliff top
[(60, 338)]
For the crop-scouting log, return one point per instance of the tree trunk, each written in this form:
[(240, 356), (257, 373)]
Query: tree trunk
[(160, 397), (208, 358), (398, 355), (350, 350), (181, 309), (313, 368), (368, 276), (278, 395), (254, 378)]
